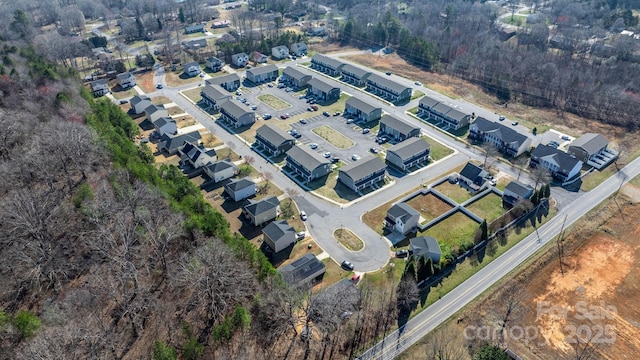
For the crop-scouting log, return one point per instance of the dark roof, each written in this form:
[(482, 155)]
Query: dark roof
[(519, 188), (361, 105), (367, 166), (273, 134), (199, 43), (279, 231), (292, 72), (299, 44), (193, 152), (263, 70), (474, 173), (154, 108), (101, 82), (331, 62), (565, 161), (355, 70), (198, 27), (256, 207), (387, 83), (280, 47), (302, 268), (428, 102), (240, 184), (138, 98), (456, 114), (214, 59), (124, 76), (223, 79), (409, 147), (215, 92), (400, 125), (424, 246), (233, 108), (402, 210), (321, 85), (220, 166), (160, 122), (591, 142), (175, 142), (308, 158), (502, 132)]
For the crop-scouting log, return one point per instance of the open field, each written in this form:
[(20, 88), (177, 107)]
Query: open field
[(453, 233), (515, 20), (193, 94), (454, 192), (160, 100), (174, 110), (145, 82), (429, 206), (179, 78), (348, 239), (333, 136), (210, 141), (489, 207), (437, 150), (184, 121), (273, 102)]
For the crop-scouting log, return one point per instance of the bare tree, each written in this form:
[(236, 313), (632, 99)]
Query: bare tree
[(490, 151), (541, 176), (445, 344)]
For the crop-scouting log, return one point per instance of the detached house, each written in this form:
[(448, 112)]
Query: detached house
[(194, 29), (240, 59), (214, 64), (235, 115), (323, 91), (192, 69), (298, 49), (354, 75), (364, 173), (473, 176), (126, 80), (399, 130), (280, 52), (214, 95), (154, 112), (259, 58), (592, 149), (433, 109), (221, 170), (362, 110), (139, 103), (427, 247), (303, 270), (273, 140), (408, 153), (262, 74), (259, 212), (560, 164), (295, 78), (307, 163), (327, 65), (387, 88), (240, 189), (279, 235), (100, 87), (508, 141), (402, 219), (196, 156), (171, 145), (165, 126), (229, 82), (515, 192)]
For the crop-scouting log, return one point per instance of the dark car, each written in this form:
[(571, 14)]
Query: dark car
[(326, 114), (159, 86), (389, 73), (314, 107), (402, 253), (283, 116), (334, 160), (337, 113), (347, 265), (297, 135)]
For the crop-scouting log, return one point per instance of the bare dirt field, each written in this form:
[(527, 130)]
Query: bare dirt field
[(145, 82), (429, 206)]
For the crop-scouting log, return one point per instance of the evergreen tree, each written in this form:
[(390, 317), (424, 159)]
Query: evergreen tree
[(490, 352), (547, 191), (181, 15), (410, 268), (484, 229)]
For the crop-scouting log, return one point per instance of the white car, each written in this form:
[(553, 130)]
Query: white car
[(313, 145), (355, 157), (327, 155), (303, 215)]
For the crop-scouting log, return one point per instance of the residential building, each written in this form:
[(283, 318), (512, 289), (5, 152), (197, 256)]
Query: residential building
[(260, 211), (165, 126), (171, 145), (240, 59), (515, 192), (432, 109), (221, 170), (298, 49), (307, 164), (139, 103), (154, 112), (240, 189), (323, 91), (193, 155), (279, 235), (303, 270), (473, 176), (280, 52), (408, 153), (354, 75), (229, 82), (100, 87), (220, 24), (561, 165), (592, 149), (214, 95), (327, 65), (397, 129), (126, 80), (363, 173), (259, 58), (507, 140), (317, 31), (273, 140), (214, 64), (262, 74), (192, 69), (192, 29), (235, 115), (402, 219), (195, 44), (427, 247), (295, 78), (362, 110), (388, 89)]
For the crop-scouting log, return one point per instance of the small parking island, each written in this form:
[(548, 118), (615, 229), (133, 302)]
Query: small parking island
[(273, 102), (334, 137)]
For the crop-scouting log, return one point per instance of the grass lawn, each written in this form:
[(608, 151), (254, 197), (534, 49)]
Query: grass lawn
[(348, 239), (266, 189), (334, 273), (179, 78), (247, 170), (273, 102), (210, 141), (301, 248), (334, 137), (338, 105), (184, 121), (437, 150), (193, 94), (489, 207), (174, 110), (454, 192), (453, 232), (386, 277), (160, 100), (596, 177), (416, 94), (516, 20), (122, 94), (289, 212), (226, 153), (429, 206), (375, 217)]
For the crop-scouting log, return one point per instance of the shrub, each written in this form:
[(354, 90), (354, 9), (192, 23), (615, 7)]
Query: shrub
[(27, 323)]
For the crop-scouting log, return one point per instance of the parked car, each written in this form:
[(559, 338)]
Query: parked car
[(418, 83), (270, 85), (238, 92), (159, 86), (313, 146), (514, 123), (366, 131), (303, 121), (297, 135), (334, 160), (355, 157), (374, 150), (327, 155), (124, 101), (303, 215), (281, 86), (309, 109), (554, 144), (283, 116), (293, 131), (266, 116), (325, 113), (389, 73), (243, 100), (301, 235), (314, 107), (501, 118), (565, 137), (349, 121), (254, 107), (347, 265), (402, 253), (337, 113)]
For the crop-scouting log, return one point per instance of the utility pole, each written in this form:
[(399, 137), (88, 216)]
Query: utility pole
[(560, 244)]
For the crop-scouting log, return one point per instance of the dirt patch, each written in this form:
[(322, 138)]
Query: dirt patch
[(184, 121), (429, 206), (145, 82)]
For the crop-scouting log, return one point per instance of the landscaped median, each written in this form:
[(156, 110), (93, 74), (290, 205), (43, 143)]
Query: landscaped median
[(348, 239), (273, 102), (334, 137)]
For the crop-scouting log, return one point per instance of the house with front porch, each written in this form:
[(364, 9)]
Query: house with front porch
[(195, 156), (99, 87), (515, 192), (139, 103), (192, 69), (298, 49), (221, 170), (362, 110), (397, 129), (507, 140), (126, 80), (240, 59), (473, 176), (280, 52), (214, 64), (273, 140), (362, 174), (307, 164), (409, 153)]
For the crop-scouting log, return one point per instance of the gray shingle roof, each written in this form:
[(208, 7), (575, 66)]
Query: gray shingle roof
[(302, 268), (474, 173), (213, 59), (153, 108), (240, 184), (591, 142), (456, 114), (124, 76), (425, 245), (220, 166), (279, 231), (355, 70), (164, 121), (519, 188), (280, 47), (171, 143), (195, 44), (255, 207), (223, 79), (361, 105), (402, 211), (397, 124), (387, 83), (428, 102), (273, 134), (321, 85), (138, 98), (215, 92), (565, 161), (198, 27), (233, 108), (294, 73), (502, 132), (409, 147), (309, 159), (365, 167), (260, 70), (98, 83), (327, 61)]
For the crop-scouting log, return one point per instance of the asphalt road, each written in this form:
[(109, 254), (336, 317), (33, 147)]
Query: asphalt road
[(439, 312)]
